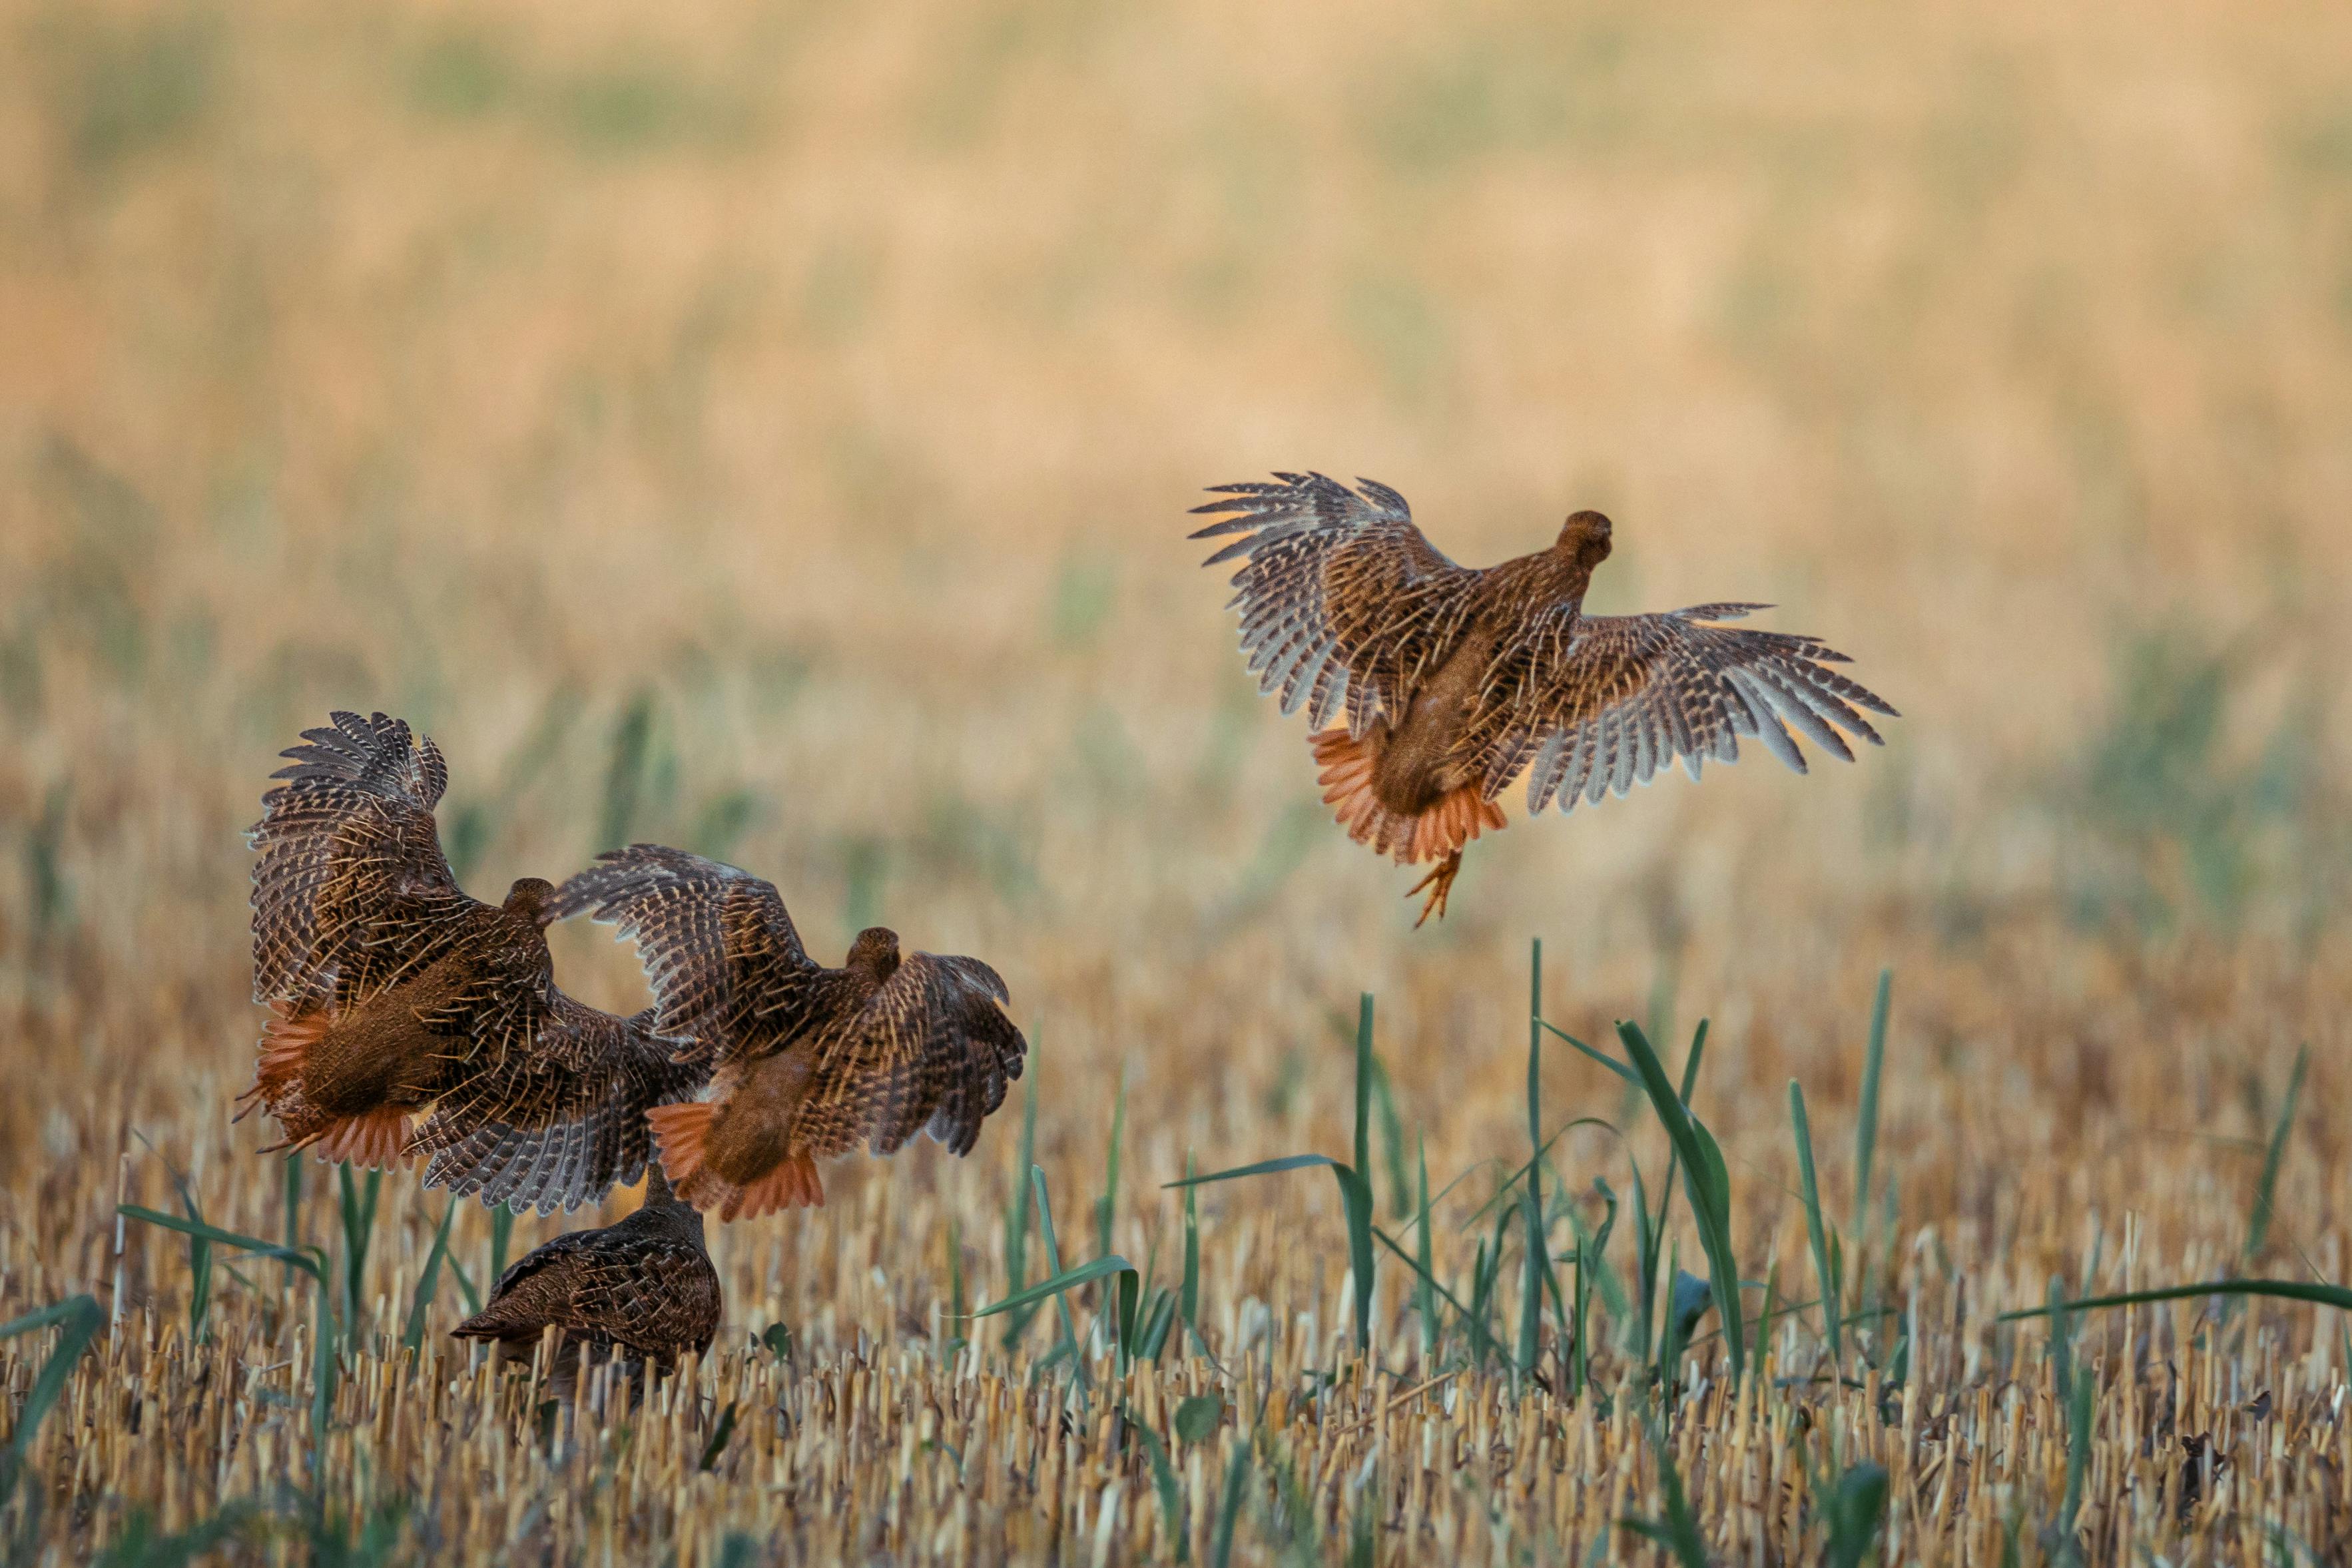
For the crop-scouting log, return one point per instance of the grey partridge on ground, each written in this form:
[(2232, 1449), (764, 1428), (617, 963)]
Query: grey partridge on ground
[(809, 1062), (391, 990), (643, 1287), (1449, 681)]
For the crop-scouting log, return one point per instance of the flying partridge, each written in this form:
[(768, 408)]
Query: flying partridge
[(391, 990), (1448, 682), (809, 1061)]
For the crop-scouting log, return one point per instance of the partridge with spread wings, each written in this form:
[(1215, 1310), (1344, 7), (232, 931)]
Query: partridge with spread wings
[(1448, 682)]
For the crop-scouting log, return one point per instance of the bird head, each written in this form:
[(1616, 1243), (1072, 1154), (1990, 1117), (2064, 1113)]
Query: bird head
[(531, 896), (875, 951), (1585, 537)]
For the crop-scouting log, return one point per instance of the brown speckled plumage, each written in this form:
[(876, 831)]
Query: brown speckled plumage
[(809, 1061), (1449, 681), (391, 989), (645, 1286)]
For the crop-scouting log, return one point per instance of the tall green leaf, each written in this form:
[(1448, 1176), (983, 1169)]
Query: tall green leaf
[(359, 1203), (1426, 1284), (1535, 1273), (2260, 1228), (1191, 1293), (1678, 1532), (428, 1284), (2335, 1296), (1107, 1206), (1706, 1182), (1825, 1275), (1016, 1213), (1356, 1196), (1866, 1128), (77, 1320)]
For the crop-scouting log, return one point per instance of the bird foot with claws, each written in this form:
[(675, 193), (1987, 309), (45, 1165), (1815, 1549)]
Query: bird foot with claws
[(1438, 881)]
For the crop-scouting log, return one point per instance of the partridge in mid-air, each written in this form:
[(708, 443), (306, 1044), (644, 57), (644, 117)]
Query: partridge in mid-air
[(809, 1061), (1451, 681), (392, 990), (644, 1286)]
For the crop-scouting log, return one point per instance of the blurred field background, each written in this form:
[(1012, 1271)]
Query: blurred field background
[(767, 429)]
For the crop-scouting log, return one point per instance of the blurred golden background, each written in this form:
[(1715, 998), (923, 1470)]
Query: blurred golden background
[(769, 428)]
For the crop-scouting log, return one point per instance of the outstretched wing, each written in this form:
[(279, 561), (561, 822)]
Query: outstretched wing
[(727, 968), (1344, 604), (350, 888), (561, 1119), (1616, 698), (931, 1050)]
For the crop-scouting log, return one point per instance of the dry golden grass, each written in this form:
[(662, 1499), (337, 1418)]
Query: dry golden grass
[(767, 429)]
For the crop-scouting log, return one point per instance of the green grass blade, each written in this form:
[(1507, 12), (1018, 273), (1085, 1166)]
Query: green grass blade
[(2260, 1228), (1536, 1267), (1866, 1127), (950, 1344), (1824, 1275), (290, 1196), (323, 1367), (358, 1201), (1603, 1057), (310, 1260), (1229, 1507), (1690, 1062), (720, 1435), (1356, 1185), (1355, 1201), (1107, 1206), (1855, 1511), (1263, 1167), (502, 1233), (1158, 1325), (44, 1317), (1424, 1286), (2074, 1390), (1646, 1238), (1057, 1284), (1655, 1231), (1509, 1186), (1163, 1481), (428, 1284), (1484, 1342), (2335, 1296), (465, 1284), (77, 1321), (1678, 1532), (200, 1261), (1764, 1319), (1017, 1215), (1191, 1307), (1391, 1140), (1706, 1182)]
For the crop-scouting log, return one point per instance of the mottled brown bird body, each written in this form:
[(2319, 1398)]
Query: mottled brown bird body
[(1453, 680), (644, 1286), (392, 991), (810, 1061)]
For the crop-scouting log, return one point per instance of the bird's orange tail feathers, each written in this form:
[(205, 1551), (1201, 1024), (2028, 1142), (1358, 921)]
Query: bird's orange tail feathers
[(373, 1140), (1346, 765), (286, 1042), (682, 1134)]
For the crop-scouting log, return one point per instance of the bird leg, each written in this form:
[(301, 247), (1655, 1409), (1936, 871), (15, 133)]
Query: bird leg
[(1440, 881)]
